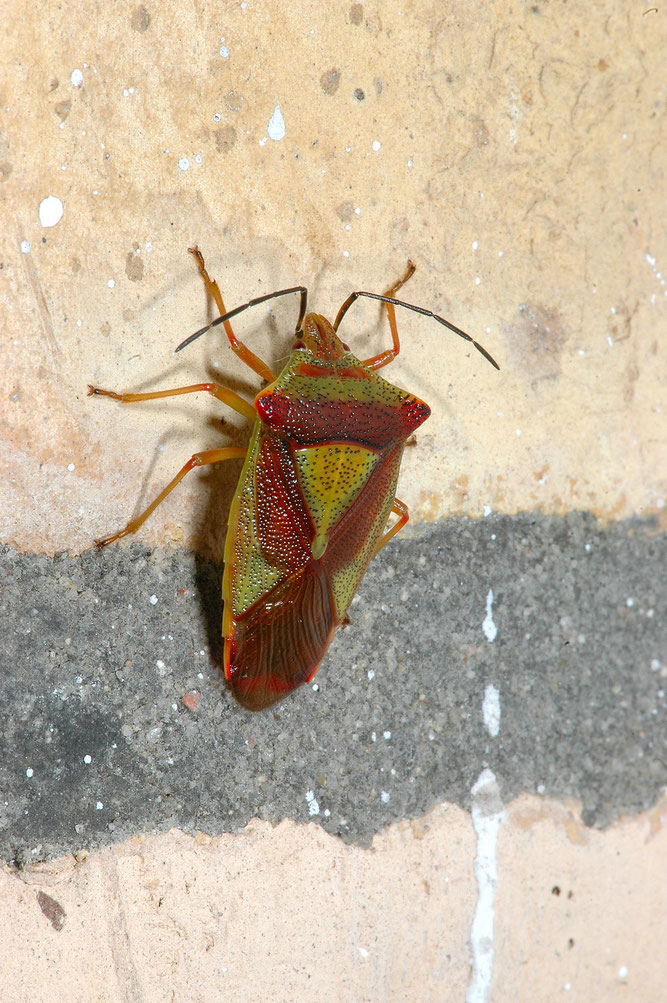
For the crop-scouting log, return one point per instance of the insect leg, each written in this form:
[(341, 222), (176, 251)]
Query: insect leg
[(384, 358), (222, 393), (301, 290), (400, 509), (197, 460), (243, 352)]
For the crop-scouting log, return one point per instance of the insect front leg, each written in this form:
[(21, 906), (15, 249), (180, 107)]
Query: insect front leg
[(400, 509), (384, 358), (244, 353), (196, 460)]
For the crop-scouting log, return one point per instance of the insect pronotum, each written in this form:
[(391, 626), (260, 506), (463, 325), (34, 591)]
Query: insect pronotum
[(316, 490)]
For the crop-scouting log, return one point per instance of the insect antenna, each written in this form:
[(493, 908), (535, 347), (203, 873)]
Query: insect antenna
[(417, 309), (303, 293)]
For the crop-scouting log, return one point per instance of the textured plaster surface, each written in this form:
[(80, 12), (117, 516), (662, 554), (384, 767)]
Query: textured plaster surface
[(517, 153), (292, 913)]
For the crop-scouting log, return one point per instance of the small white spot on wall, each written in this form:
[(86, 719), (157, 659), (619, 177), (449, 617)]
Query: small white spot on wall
[(25, 246), (183, 164), (377, 146), (491, 710), (111, 283), (276, 127), (50, 210), (313, 806), (488, 626), (76, 78)]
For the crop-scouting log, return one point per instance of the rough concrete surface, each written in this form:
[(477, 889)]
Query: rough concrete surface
[(115, 706), (516, 152)]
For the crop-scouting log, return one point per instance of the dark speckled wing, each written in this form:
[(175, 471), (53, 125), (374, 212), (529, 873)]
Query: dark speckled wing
[(280, 641)]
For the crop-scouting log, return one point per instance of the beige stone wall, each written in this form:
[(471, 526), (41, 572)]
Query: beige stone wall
[(292, 914), (515, 152)]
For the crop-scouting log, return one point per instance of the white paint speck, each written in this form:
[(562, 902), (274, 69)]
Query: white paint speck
[(487, 510), (216, 117), (376, 146), (623, 973), (29, 772), (386, 735), (276, 126), (111, 283), (363, 952), (477, 280), (224, 51), (475, 245), (313, 806), (370, 674), (99, 805), (76, 78), (87, 759), (487, 816), (385, 797), (488, 626), (50, 210), (25, 247), (71, 467), (153, 600), (410, 163), (183, 164), (491, 710)]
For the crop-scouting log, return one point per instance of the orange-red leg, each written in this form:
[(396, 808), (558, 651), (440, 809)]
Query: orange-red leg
[(384, 358), (197, 460), (223, 394), (400, 509), (244, 353)]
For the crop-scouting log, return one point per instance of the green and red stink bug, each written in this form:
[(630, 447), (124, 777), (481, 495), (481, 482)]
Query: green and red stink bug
[(315, 493)]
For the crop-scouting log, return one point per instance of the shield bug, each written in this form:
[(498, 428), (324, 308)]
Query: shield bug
[(316, 490)]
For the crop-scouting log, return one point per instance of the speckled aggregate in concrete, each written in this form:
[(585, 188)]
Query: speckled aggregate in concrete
[(104, 653)]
